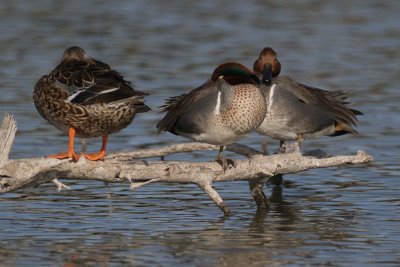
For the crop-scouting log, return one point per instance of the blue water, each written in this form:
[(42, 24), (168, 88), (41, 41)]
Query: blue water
[(326, 217)]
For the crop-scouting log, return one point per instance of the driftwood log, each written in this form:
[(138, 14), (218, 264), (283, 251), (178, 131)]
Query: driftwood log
[(133, 169)]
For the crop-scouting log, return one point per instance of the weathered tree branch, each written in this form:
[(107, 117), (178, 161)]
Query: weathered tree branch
[(180, 148), (126, 168), (7, 135)]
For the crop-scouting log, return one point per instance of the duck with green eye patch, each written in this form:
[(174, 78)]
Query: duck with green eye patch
[(223, 110)]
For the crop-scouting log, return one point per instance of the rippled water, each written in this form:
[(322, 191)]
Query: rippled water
[(330, 217)]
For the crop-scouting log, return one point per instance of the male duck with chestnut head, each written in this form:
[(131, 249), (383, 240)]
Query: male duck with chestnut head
[(296, 111)]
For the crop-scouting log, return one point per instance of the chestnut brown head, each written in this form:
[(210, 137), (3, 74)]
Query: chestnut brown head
[(267, 56)]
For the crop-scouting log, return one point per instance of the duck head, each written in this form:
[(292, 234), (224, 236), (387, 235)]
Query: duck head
[(234, 74), (74, 52), (267, 59)]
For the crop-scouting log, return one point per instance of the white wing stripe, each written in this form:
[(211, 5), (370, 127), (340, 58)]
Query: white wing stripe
[(71, 97), (108, 91), (218, 105), (270, 98)]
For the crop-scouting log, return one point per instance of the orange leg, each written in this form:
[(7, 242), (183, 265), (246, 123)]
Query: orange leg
[(70, 153), (101, 154)]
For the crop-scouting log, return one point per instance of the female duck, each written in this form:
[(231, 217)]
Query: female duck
[(84, 97), (221, 111), (296, 111)]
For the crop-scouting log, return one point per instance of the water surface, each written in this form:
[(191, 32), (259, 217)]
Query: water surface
[(326, 217)]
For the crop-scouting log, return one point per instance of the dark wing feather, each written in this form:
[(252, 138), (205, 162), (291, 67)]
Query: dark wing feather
[(332, 101), (178, 105), (91, 81)]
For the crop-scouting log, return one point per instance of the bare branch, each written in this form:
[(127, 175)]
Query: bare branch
[(181, 148), (163, 151), (60, 185), (123, 168), (7, 135), (16, 174), (213, 194)]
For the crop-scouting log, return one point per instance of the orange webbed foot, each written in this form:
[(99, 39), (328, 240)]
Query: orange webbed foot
[(101, 154), (95, 156), (65, 155), (71, 153)]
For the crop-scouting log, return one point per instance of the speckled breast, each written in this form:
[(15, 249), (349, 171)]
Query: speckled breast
[(246, 110)]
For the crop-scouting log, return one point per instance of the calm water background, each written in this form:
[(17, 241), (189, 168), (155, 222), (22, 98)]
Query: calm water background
[(326, 217)]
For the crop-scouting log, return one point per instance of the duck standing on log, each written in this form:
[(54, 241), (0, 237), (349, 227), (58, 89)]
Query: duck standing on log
[(220, 112), (296, 111), (84, 97)]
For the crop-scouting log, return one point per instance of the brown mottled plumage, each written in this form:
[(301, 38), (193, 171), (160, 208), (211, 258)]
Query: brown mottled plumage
[(85, 97)]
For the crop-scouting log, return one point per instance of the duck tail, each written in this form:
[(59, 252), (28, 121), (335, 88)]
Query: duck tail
[(142, 108), (356, 112), (342, 128), (137, 102)]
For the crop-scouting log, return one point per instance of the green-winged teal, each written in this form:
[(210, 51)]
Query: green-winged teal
[(221, 111), (84, 97), (296, 111)]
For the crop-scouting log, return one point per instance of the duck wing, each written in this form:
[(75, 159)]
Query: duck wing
[(176, 106), (331, 101), (91, 82)]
